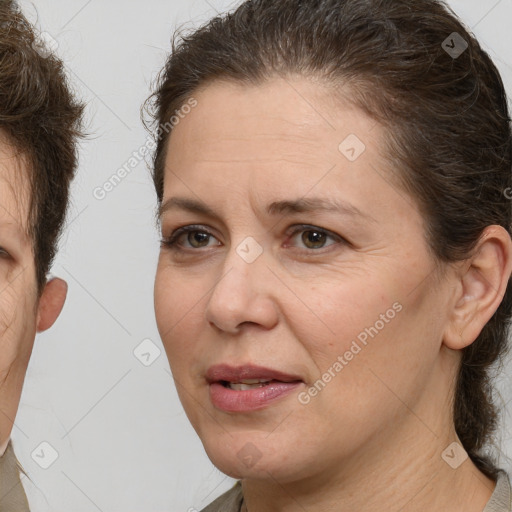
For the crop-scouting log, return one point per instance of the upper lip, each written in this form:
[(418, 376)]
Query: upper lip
[(227, 373)]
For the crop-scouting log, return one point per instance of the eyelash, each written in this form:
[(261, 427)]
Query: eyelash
[(172, 242)]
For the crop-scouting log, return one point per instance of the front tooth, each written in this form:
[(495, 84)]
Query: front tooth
[(240, 387), (248, 384)]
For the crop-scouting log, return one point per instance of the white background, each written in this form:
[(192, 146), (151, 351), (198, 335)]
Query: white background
[(122, 438)]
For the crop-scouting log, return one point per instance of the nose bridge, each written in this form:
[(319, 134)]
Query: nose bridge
[(243, 269), (242, 294)]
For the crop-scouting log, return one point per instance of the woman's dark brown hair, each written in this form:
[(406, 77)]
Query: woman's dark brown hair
[(404, 62), (41, 118)]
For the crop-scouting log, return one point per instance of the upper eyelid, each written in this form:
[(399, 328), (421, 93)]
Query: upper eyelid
[(310, 227), (191, 228)]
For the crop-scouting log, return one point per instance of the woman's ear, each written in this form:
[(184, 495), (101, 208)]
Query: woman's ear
[(483, 281), (51, 303)]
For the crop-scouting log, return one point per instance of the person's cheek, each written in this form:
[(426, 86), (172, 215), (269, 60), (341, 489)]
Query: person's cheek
[(17, 332), (11, 332), (177, 309), (166, 306)]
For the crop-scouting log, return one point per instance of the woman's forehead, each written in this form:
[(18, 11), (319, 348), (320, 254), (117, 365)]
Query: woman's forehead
[(235, 140), (295, 104), (276, 123)]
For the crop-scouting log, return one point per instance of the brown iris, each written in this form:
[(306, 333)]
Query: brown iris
[(313, 239), (198, 239)]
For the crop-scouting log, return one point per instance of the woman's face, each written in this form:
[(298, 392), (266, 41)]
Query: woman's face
[(295, 294)]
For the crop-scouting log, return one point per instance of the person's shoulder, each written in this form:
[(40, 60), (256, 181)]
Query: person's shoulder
[(501, 499), (12, 494), (230, 501)]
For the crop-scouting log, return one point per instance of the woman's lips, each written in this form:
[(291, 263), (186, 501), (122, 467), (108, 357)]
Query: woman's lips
[(248, 388)]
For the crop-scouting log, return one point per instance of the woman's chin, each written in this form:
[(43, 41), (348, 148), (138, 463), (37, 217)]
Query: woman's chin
[(251, 457), (243, 467)]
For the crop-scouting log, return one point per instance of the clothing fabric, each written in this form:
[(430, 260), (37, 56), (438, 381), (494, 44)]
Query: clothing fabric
[(12, 494), (230, 501), (501, 499)]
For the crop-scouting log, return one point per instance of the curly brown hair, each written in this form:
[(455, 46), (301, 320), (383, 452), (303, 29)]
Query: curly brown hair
[(413, 66), (42, 119)]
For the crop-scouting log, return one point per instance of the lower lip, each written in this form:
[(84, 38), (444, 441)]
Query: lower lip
[(231, 400)]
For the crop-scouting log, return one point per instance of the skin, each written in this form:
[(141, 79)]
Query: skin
[(22, 311), (382, 423)]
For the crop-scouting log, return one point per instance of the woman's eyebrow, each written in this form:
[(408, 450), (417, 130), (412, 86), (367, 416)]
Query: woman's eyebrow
[(310, 205), (183, 203), (301, 205)]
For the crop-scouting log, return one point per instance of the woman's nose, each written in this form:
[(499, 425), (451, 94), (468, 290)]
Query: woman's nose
[(245, 292)]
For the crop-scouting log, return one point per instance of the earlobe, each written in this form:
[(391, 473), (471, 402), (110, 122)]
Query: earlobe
[(51, 303), (484, 281)]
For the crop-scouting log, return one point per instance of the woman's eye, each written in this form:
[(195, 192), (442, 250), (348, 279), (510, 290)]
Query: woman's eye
[(314, 238), (190, 237)]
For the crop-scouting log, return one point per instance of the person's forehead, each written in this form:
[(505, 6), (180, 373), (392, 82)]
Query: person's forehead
[(292, 101), (295, 118), (14, 189)]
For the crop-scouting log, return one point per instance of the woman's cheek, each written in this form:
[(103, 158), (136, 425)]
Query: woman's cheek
[(178, 316), (168, 302)]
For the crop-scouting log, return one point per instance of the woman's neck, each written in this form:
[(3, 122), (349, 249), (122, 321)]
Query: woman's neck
[(415, 483)]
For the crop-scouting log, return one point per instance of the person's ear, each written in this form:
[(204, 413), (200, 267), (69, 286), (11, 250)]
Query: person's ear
[(51, 303), (482, 285)]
